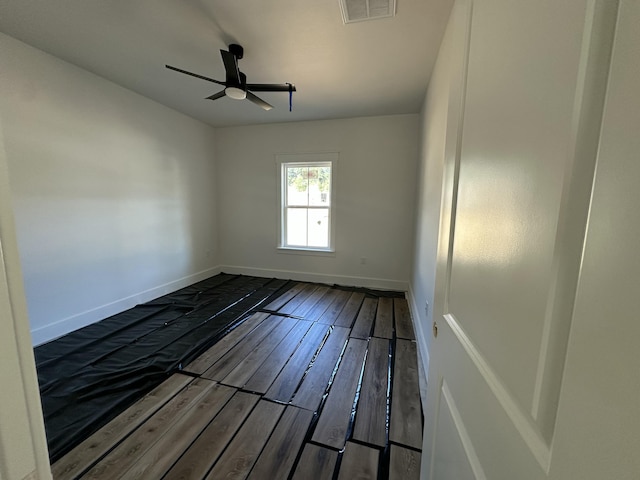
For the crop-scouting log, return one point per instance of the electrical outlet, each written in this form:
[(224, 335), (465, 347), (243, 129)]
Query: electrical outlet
[(363, 260)]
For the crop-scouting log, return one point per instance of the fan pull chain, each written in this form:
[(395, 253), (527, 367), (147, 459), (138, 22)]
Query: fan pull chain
[(290, 97)]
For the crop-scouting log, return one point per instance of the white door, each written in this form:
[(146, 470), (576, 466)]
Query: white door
[(526, 101)]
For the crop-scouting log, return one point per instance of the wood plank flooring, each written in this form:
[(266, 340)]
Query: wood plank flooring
[(321, 384)]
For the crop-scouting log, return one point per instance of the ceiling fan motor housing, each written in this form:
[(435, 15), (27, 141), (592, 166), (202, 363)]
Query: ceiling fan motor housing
[(236, 50)]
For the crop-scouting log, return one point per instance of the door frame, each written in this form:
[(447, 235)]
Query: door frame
[(23, 443)]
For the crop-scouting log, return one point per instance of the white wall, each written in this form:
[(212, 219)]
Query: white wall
[(375, 198), (114, 195), (440, 119)]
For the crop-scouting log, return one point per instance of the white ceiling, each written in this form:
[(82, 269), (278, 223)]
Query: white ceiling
[(377, 67)]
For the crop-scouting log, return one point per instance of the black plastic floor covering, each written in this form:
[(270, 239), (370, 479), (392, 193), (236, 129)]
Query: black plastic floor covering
[(90, 375)]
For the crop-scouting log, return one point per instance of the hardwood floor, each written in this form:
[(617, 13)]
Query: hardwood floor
[(321, 384)]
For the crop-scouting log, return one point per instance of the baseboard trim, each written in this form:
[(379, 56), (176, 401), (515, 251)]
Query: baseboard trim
[(379, 283), (61, 327), (421, 332)]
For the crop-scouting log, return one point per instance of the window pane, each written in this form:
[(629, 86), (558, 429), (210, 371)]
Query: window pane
[(298, 186), (318, 227), (297, 226), (319, 185), (306, 202)]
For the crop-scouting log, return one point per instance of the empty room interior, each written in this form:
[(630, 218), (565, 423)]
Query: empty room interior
[(373, 239)]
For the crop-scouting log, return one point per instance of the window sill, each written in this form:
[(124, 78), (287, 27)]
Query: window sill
[(307, 251)]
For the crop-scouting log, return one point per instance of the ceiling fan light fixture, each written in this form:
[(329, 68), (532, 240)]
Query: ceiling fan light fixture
[(235, 93)]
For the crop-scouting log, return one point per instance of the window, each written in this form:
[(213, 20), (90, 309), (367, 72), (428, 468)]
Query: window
[(306, 218)]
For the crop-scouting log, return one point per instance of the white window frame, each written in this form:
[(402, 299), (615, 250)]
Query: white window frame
[(302, 160)]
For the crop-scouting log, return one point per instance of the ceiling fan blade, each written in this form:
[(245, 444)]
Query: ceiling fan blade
[(231, 67), (270, 87), (195, 75), (258, 101), (216, 96)]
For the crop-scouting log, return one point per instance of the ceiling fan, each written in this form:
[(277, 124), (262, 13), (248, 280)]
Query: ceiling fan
[(236, 85)]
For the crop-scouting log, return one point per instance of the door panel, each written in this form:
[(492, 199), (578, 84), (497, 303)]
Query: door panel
[(516, 197), (516, 136), (454, 452)]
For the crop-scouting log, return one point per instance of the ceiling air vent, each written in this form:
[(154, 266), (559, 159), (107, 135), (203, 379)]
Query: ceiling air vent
[(360, 10)]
